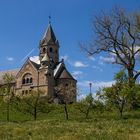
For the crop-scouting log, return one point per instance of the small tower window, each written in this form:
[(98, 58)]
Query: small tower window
[(44, 50), (66, 84), (51, 50)]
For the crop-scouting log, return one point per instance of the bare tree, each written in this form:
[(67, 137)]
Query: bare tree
[(118, 95), (33, 103), (86, 105), (8, 91), (117, 35), (66, 94)]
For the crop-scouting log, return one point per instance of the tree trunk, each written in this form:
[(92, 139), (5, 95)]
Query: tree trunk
[(8, 104), (66, 111), (121, 113), (131, 78), (8, 109), (132, 81), (87, 113), (35, 113), (121, 108)]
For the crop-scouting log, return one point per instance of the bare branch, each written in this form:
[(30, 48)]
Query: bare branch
[(118, 33)]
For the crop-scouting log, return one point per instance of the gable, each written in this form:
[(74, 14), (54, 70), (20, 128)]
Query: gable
[(65, 74), (28, 67), (61, 72)]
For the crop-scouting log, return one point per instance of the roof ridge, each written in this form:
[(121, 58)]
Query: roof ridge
[(9, 70)]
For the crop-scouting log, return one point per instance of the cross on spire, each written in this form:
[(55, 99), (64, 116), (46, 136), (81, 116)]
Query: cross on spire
[(49, 19)]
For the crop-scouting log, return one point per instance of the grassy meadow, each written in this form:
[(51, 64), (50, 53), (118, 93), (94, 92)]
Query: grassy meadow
[(54, 126)]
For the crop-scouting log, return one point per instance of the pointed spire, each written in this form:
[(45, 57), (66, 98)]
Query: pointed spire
[(49, 34)]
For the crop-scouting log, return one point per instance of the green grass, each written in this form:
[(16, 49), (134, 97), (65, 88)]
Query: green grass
[(54, 126)]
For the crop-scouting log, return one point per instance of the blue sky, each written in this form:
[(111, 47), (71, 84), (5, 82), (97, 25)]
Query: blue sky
[(23, 23)]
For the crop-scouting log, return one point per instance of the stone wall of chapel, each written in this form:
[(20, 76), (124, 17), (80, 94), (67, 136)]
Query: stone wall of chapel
[(47, 81), (68, 88), (51, 84), (53, 52), (26, 90), (42, 77), (39, 78), (27, 69)]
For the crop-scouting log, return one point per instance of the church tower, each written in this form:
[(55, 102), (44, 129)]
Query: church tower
[(46, 72), (50, 75), (49, 58), (49, 45)]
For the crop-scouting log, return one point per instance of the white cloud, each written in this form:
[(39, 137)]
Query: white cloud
[(35, 59), (84, 87), (137, 48), (81, 96), (103, 84), (112, 54), (79, 64), (97, 68), (65, 57), (101, 63), (91, 58), (97, 84), (107, 59), (77, 74), (10, 58)]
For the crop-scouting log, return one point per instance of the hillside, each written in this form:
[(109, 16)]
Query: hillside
[(54, 126)]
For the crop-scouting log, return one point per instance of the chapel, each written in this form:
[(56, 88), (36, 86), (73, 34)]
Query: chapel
[(49, 74)]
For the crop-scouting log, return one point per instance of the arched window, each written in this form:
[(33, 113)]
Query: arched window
[(51, 50), (44, 50), (27, 79), (66, 84), (31, 80), (23, 81)]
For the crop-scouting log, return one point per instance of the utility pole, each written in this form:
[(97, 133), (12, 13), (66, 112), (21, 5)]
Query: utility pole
[(90, 85)]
